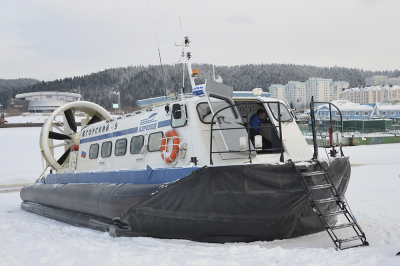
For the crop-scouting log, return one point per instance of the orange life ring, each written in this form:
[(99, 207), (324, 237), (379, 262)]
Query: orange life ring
[(175, 149)]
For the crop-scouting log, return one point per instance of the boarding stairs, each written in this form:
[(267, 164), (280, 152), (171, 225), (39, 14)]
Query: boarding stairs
[(338, 238)]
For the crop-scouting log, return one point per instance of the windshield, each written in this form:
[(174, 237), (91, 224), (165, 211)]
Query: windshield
[(286, 117), (217, 104)]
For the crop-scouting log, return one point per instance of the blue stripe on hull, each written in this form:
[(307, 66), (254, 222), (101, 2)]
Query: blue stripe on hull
[(148, 176)]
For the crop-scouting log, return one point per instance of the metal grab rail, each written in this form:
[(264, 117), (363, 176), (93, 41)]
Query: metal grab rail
[(313, 127), (248, 131)]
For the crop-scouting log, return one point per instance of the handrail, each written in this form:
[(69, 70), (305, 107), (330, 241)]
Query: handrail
[(248, 130), (313, 125)]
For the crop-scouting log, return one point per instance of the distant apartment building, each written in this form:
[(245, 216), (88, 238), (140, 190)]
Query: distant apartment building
[(382, 81), (372, 94), (295, 93), (337, 88), (277, 91), (319, 88)]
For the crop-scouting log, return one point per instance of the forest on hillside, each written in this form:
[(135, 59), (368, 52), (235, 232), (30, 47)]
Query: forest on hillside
[(140, 82)]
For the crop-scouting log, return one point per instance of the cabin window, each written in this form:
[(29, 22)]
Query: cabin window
[(106, 148), (178, 117), (366, 113), (204, 112), (346, 113), (93, 151), (383, 113), (136, 144), (337, 113), (120, 147), (219, 103), (155, 141), (286, 117), (392, 113), (356, 113)]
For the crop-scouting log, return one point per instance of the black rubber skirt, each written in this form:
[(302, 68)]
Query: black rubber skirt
[(239, 203)]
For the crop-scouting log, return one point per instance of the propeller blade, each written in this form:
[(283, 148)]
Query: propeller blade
[(93, 120), (70, 119), (64, 157), (55, 135)]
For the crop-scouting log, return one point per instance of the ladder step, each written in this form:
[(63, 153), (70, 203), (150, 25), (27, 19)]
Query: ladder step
[(327, 200), (340, 226), (314, 173), (349, 239), (320, 186), (333, 213)]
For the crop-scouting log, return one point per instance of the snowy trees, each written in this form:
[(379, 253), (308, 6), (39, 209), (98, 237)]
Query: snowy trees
[(139, 82)]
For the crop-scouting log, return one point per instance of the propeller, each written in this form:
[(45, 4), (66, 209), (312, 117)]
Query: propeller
[(64, 157), (70, 119), (55, 135), (93, 120)]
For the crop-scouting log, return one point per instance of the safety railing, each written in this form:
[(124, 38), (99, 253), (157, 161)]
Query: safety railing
[(248, 127), (332, 125)]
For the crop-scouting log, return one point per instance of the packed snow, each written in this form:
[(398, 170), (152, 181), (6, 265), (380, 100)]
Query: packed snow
[(30, 239)]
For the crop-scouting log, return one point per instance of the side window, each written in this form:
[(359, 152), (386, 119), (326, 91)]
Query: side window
[(178, 118), (120, 147), (93, 151), (106, 149), (136, 144), (155, 141), (204, 111)]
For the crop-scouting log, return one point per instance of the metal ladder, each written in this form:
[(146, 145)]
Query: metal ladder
[(342, 207)]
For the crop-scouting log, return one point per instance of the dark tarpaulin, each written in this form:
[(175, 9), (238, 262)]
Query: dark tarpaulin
[(213, 204)]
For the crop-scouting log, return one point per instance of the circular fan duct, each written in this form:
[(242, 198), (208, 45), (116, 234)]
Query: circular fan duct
[(67, 131)]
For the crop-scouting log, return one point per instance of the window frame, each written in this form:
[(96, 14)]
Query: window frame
[(392, 112), (98, 148), (184, 115), (201, 120), (130, 147), (148, 141), (357, 113), (365, 113), (126, 144), (102, 149)]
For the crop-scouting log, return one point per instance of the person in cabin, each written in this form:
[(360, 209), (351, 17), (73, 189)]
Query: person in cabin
[(256, 120)]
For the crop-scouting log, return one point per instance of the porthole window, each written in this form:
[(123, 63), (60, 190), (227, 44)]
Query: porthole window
[(136, 144), (155, 141), (120, 147), (93, 151), (106, 148)]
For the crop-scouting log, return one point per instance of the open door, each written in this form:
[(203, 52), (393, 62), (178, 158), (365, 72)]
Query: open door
[(220, 96)]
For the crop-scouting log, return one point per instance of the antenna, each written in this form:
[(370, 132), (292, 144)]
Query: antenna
[(213, 71), (159, 53)]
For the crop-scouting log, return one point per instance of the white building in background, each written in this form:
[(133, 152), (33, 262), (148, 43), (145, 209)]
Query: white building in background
[(277, 91), (376, 80), (337, 88), (47, 101), (394, 81), (319, 88), (295, 92)]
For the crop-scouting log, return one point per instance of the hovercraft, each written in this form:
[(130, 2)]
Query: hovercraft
[(191, 167)]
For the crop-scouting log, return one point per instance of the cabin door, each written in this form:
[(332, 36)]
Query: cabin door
[(220, 96)]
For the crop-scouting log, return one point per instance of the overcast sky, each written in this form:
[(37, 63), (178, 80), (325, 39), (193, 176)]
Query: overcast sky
[(47, 40)]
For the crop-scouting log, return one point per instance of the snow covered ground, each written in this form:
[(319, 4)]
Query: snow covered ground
[(35, 118), (29, 239)]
